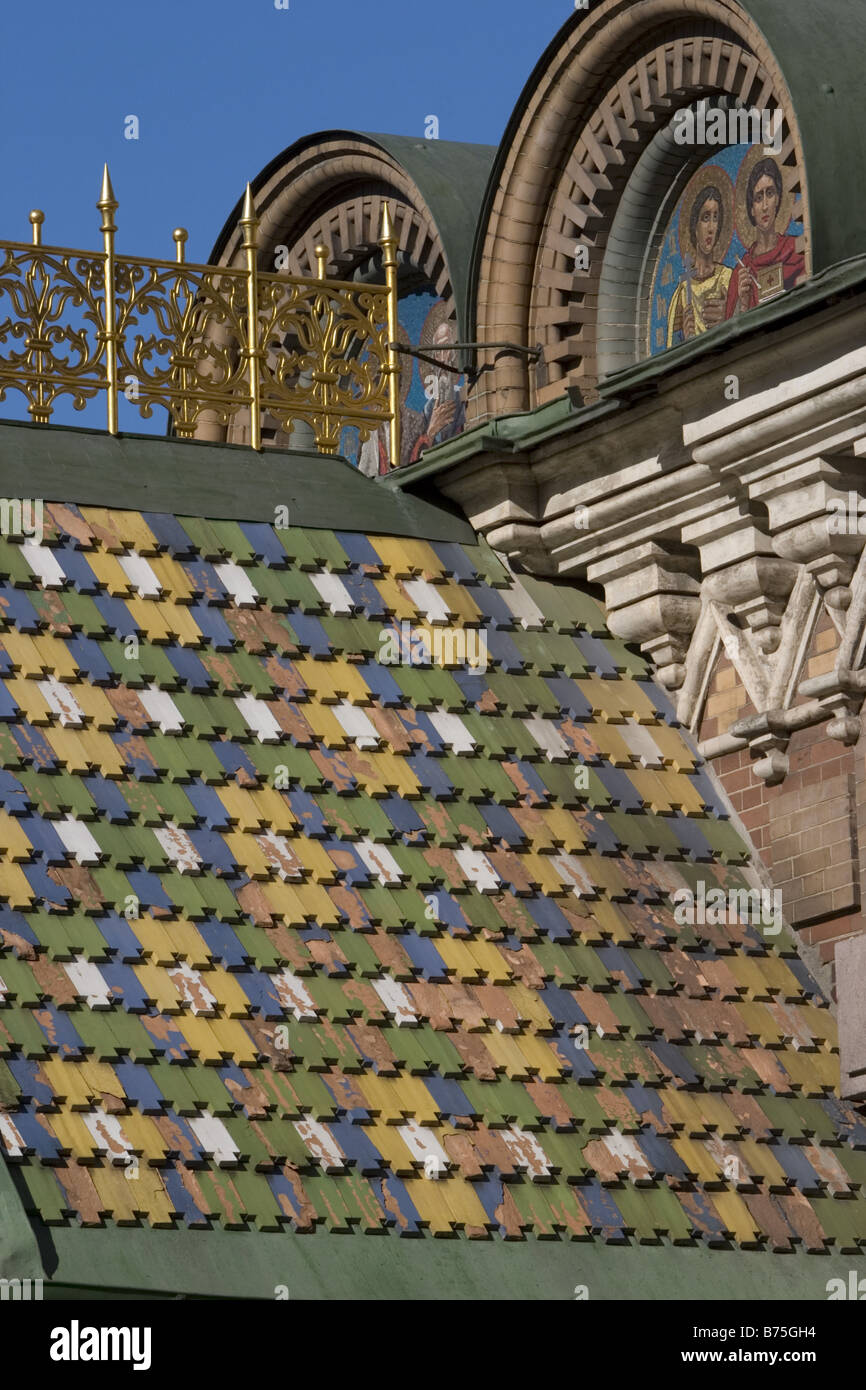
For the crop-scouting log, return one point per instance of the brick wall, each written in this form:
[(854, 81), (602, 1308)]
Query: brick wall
[(810, 830)]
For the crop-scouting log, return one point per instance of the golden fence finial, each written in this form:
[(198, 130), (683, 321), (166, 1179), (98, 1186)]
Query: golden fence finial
[(37, 217), (107, 201), (388, 243), (387, 228), (323, 255), (107, 205), (179, 237), (250, 224)]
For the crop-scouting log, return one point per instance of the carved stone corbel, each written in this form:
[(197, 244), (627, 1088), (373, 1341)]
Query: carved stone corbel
[(652, 594)]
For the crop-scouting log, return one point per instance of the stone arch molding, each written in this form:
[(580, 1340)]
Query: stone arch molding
[(330, 189), (604, 92)]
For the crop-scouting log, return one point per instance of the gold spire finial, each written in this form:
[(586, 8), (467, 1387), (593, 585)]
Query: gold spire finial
[(249, 212), (106, 197), (387, 230)]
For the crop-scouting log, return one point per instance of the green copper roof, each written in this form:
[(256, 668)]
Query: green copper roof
[(164, 474), (450, 175)]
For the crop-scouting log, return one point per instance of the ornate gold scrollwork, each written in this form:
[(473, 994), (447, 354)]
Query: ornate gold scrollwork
[(182, 365), (199, 339), (54, 300), (326, 355)]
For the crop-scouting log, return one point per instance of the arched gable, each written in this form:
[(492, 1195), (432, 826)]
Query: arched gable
[(590, 161), (330, 189)]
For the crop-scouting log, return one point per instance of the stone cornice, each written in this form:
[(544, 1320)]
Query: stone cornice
[(708, 506)]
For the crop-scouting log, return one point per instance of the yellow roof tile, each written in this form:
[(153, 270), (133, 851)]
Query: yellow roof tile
[(565, 828), (460, 602), (507, 1054), (175, 581), (29, 698), (457, 1196), (396, 600), (202, 1038), (98, 749), (75, 753), (490, 961), (68, 1126), (227, 992), (333, 680), (673, 748), (697, 1157), (14, 887), (248, 854), (241, 806), (56, 657), (383, 1097), (611, 744), (13, 841), (96, 705), (130, 527), (24, 653), (109, 572), (403, 556), (458, 958), (158, 987), (233, 1041), (151, 618), (540, 1056), (274, 810), (70, 1081), (761, 1162), (125, 1199), (735, 1215), (181, 624)]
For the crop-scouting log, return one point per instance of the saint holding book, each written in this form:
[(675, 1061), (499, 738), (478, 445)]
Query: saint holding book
[(772, 264)]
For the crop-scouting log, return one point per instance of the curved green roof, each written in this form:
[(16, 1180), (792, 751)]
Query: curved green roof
[(450, 176)]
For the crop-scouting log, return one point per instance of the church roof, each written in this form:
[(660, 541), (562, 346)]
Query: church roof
[(301, 939)]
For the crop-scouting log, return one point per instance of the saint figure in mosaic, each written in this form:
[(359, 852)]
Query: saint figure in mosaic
[(705, 226), (772, 263), (444, 413)]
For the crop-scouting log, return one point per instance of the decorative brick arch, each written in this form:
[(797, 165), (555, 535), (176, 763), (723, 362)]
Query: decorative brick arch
[(602, 93)]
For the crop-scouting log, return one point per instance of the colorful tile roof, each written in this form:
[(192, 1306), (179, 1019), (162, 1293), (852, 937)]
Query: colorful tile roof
[(298, 934)]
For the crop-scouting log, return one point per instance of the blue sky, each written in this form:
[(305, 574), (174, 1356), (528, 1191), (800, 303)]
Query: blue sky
[(221, 86)]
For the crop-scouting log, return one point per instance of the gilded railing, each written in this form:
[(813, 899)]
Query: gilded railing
[(205, 342)]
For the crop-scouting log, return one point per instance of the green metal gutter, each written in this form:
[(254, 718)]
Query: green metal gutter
[(19, 1251), (222, 1264), (194, 478)]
